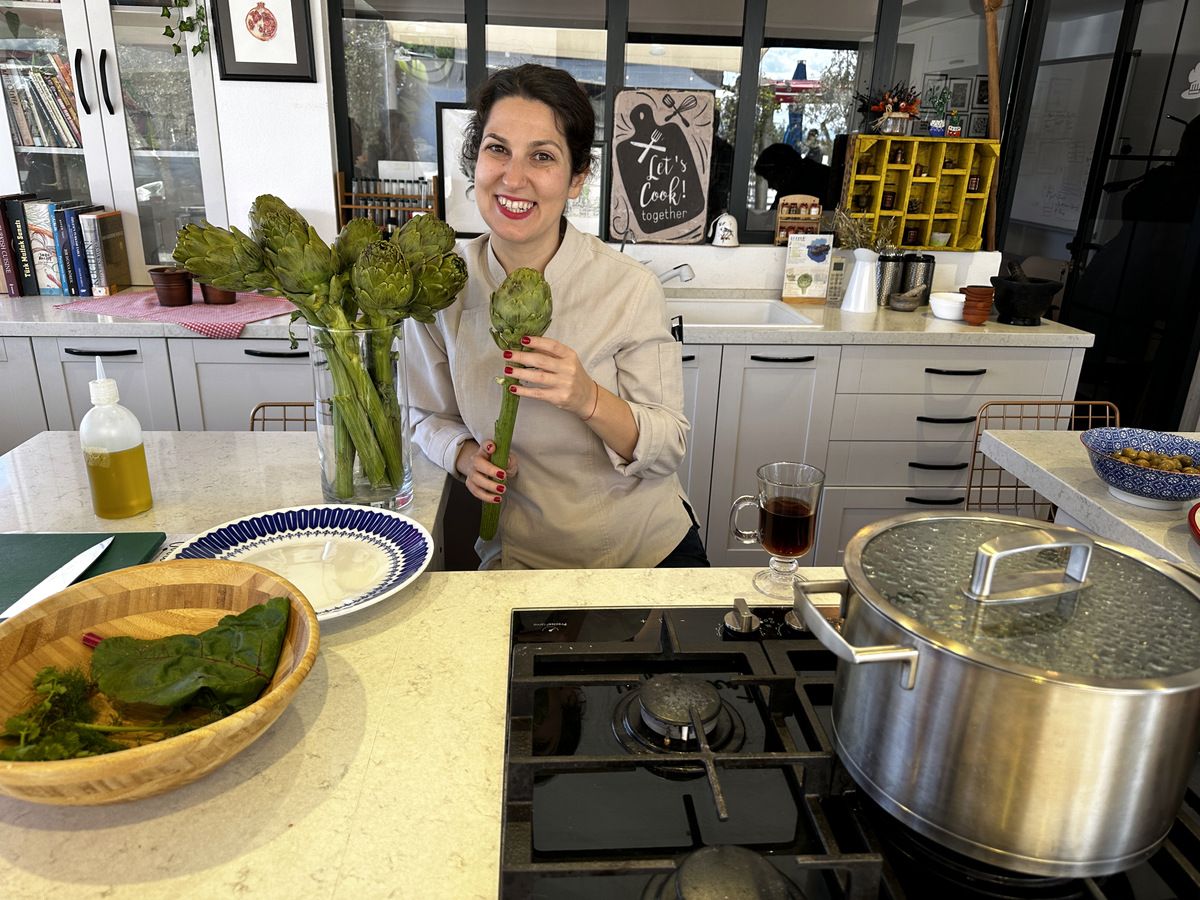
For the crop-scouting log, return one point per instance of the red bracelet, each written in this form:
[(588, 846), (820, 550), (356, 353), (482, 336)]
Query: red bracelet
[(595, 405)]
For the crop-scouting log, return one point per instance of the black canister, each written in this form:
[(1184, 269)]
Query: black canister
[(889, 273), (918, 269)]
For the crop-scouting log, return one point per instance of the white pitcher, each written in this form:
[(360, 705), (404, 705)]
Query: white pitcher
[(860, 289)]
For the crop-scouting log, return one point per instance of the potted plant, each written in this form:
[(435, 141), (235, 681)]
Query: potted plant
[(938, 103), (895, 109), (197, 22), (172, 284)]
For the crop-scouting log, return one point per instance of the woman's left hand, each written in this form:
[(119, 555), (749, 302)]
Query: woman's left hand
[(552, 372)]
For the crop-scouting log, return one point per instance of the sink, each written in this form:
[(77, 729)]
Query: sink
[(737, 312)]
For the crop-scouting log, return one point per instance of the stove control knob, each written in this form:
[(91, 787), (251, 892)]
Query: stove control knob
[(739, 620)]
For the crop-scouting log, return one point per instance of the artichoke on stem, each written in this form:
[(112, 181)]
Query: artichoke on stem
[(520, 307)]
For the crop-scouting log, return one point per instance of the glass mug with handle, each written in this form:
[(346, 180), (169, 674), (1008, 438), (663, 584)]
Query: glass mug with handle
[(788, 499)]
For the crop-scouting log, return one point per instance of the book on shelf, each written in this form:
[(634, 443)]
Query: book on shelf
[(14, 216), (39, 218), (8, 252), (18, 123), (107, 255), (41, 106), (75, 249), (62, 252), (52, 108), (66, 104)]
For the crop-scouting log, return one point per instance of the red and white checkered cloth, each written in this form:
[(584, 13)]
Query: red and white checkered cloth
[(211, 320)]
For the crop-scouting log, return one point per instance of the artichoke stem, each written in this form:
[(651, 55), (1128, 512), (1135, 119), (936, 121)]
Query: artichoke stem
[(343, 456), (383, 373), (349, 398), (490, 520)]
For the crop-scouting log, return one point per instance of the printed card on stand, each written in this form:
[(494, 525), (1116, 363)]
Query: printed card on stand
[(806, 267)]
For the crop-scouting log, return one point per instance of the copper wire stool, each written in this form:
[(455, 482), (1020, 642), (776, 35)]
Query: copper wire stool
[(284, 416)]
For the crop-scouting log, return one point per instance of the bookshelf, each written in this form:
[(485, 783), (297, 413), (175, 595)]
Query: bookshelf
[(370, 198), (916, 187)]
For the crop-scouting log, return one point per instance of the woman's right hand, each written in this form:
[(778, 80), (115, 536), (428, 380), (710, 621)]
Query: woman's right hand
[(485, 481)]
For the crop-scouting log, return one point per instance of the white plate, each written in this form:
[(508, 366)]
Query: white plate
[(341, 557), (1144, 502)]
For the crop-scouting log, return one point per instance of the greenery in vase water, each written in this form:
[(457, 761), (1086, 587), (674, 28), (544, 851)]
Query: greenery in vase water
[(362, 283)]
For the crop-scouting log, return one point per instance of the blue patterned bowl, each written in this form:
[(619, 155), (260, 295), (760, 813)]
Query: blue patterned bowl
[(1174, 488)]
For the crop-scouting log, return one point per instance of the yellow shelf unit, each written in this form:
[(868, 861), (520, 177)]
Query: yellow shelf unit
[(932, 183)]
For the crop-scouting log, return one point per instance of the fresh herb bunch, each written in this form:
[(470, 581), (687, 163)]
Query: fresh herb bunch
[(197, 22), (520, 307), (361, 282)]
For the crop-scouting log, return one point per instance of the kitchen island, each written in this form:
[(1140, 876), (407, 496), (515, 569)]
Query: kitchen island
[(384, 776), (1056, 465)]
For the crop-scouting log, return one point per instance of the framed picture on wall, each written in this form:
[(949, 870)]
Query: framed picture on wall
[(960, 93), (979, 92), (257, 43), (457, 191), (977, 125)]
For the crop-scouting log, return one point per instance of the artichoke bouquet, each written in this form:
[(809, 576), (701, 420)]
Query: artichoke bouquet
[(362, 285), (520, 306)]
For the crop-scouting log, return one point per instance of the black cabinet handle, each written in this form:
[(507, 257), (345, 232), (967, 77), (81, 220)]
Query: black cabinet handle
[(782, 358), (964, 372), (689, 357), (77, 352), (278, 354), (104, 82), (925, 501), (938, 467), (87, 110), (947, 420)]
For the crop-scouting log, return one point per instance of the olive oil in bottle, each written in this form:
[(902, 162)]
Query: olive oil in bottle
[(111, 438)]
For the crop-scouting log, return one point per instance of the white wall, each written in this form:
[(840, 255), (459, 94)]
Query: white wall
[(278, 138)]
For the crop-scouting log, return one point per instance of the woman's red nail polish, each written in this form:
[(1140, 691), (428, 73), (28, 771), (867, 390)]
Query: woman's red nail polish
[(495, 499), (500, 473), (499, 489), (508, 354), (508, 370), (524, 340), (512, 388)]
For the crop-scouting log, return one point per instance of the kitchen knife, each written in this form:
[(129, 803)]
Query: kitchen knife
[(59, 579)]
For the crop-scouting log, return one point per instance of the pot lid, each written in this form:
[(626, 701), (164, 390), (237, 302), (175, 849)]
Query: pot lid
[(1027, 596)]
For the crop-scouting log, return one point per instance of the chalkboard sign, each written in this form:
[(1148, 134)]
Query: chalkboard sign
[(662, 149)]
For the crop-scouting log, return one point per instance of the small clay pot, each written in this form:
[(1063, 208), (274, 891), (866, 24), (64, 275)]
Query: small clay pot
[(172, 285), (215, 295)]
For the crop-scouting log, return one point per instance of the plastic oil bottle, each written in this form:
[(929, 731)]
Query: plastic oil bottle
[(111, 438)]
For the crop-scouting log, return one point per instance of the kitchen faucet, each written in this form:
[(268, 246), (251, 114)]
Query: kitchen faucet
[(683, 271)]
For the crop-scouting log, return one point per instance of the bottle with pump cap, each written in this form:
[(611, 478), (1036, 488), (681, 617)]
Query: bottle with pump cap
[(111, 438)]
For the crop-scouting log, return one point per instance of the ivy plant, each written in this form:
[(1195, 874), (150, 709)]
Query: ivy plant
[(179, 24)]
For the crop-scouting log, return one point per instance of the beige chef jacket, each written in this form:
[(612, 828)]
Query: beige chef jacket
[(574, 502)]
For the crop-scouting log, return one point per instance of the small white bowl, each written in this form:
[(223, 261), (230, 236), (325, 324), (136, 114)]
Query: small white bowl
[(946, 305)]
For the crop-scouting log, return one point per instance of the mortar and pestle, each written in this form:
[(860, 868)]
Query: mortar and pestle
[(1021, 300)]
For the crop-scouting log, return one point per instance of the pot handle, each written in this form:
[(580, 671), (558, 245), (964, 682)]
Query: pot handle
[(986, 587), (833, 641)]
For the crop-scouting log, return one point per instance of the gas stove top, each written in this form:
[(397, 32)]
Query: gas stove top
[(674, 752)]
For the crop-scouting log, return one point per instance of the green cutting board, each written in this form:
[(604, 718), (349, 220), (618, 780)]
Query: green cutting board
[(25, 559)]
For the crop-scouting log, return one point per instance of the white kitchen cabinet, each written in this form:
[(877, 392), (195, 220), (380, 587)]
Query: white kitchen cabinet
[(701, 381), (218, 383), (776, 403), (147, 141), (24, 415), (139, 365)]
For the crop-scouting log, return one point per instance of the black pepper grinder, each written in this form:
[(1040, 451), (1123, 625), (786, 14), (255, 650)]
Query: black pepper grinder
[(889, 274), (918, 269)]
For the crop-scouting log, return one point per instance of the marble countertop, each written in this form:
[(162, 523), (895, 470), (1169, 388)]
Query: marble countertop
[(1056, 465), (37, 317), (383, 778)]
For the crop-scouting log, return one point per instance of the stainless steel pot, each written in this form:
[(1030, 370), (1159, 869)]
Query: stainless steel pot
[(1041, 720)]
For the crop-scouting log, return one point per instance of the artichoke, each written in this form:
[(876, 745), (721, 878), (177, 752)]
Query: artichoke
[(351, 241), (424, 238), (521, 306), (382, 282), (227, 259), (436, 284)]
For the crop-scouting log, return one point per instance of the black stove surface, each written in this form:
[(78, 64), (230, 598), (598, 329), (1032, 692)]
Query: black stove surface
[(610, 792)]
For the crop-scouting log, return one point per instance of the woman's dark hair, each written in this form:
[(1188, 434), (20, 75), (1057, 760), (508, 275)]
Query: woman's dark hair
[(554, 87)]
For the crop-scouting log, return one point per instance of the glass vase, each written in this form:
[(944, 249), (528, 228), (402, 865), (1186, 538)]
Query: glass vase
[(363, 439)]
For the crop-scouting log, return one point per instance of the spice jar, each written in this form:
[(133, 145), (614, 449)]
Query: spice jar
[(973, 184), (888, 201)]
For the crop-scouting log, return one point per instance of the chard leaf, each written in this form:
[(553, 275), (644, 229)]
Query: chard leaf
[(226, 667)]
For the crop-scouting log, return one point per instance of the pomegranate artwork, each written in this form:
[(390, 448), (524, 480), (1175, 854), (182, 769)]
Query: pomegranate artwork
[(261, 23)]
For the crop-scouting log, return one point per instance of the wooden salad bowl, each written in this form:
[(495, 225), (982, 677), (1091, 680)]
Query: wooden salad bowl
[(148, 601)]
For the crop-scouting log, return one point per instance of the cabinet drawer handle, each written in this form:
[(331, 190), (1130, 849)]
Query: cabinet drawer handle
[(925, 501), (77, 352), (947, 420), (938, 467), (689, 357), (278, 354), (104, 82), (781, 358), (87, 110), (964, 372)]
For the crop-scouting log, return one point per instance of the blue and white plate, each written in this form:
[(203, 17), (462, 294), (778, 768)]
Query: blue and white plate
[(341, 557)]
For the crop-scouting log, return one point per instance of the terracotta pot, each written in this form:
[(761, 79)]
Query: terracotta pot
[(173, 285), (215, 295)]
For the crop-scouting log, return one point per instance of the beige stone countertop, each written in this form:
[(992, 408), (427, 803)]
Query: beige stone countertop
[(36, 317), (383, 777), (1056, 465)]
